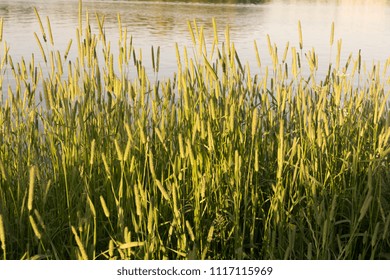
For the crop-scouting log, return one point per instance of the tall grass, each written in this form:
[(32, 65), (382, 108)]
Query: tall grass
[(214, 163)]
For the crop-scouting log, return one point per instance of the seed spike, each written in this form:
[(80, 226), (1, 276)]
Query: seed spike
[(1, 29), (2, 235), (40, 24), (31, 189), (300, 35), (332, 34), (50, 32), (104, 206)]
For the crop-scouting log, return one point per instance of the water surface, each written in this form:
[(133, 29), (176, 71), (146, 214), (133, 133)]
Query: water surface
[(361, 25)]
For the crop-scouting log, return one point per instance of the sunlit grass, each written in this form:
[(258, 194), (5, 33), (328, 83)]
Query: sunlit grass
[(216, 162)]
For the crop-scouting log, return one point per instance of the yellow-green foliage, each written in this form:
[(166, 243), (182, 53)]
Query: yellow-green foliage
[(216, 162)]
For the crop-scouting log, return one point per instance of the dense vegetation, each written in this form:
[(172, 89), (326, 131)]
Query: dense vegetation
[(214, 163)]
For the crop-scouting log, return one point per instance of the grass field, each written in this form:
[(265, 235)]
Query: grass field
[(216, 162)]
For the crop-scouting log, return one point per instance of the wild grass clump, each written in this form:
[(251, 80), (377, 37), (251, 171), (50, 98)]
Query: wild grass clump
[(216, 162)]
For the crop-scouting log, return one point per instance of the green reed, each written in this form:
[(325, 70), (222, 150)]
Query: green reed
[(214, 163)]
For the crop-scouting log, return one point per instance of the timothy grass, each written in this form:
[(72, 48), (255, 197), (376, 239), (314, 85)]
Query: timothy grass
[(216, 162)]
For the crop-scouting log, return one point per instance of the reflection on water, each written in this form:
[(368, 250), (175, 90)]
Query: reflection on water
[(361, 24), (198, 2)]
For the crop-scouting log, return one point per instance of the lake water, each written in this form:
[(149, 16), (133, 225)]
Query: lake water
[(361, 24)]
